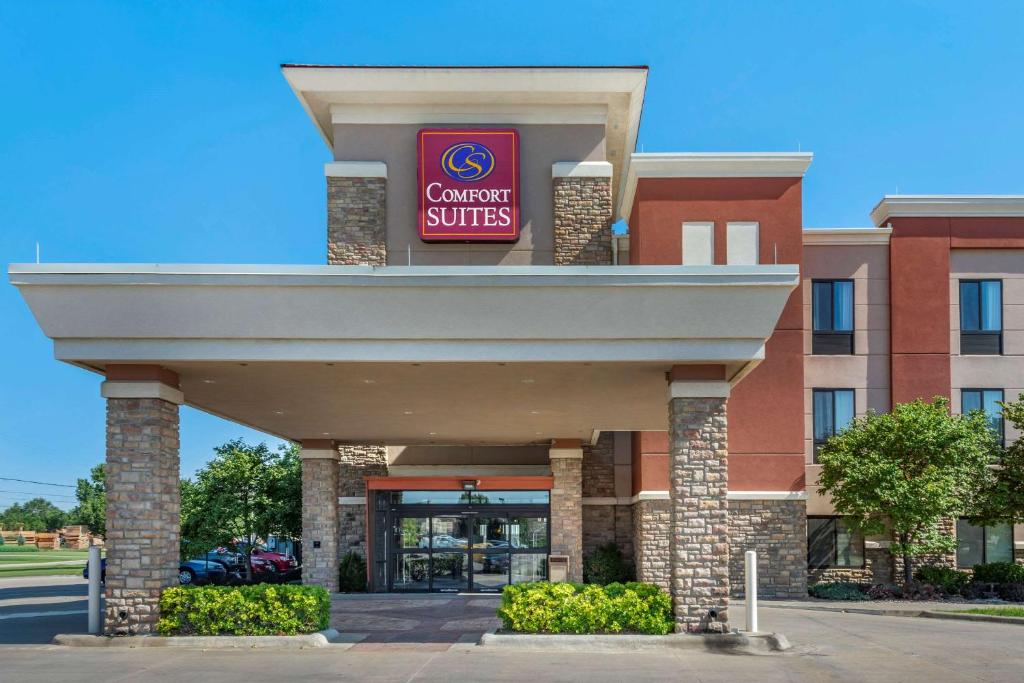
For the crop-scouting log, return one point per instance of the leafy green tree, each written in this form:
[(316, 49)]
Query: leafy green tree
[(909, 469), (92, 501), (37, 514), (1003, 499), (244, 494)]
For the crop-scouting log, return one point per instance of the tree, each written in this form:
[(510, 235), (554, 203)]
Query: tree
[(92, 501), (37, 514), (1003, 499), (244, 494), (908, 469)]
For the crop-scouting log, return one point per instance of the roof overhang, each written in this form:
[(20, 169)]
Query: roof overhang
[(608, 95), (709, 165), (845, 236), (947, 206), (405, 355)]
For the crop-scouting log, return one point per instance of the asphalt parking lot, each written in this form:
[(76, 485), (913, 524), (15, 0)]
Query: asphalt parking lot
[(35, 609)]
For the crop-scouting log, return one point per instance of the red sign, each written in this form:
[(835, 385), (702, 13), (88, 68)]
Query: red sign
[(468, 185)]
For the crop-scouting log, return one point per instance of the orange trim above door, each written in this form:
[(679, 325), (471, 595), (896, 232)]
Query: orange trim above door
[(532, 483)]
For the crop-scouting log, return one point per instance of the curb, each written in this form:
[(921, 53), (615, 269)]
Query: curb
[(319, 639), (913, 613), (733, 643)]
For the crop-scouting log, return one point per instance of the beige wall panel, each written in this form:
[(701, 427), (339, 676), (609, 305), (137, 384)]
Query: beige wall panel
[(845, 261)]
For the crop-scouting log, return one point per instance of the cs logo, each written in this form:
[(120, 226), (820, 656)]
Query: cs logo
[(467, 162)]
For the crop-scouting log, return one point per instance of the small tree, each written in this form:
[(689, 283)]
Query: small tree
[(1003, 498), (92, 501), (245, 493), (909, 469)]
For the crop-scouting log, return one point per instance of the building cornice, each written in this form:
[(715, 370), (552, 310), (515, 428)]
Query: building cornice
[(947, 206), (710, 165), (845, 236)]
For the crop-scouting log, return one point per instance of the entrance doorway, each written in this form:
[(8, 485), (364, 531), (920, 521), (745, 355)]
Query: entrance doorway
[(466, 541)]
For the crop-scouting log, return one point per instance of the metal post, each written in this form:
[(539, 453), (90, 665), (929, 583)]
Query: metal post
[(750, 571), (95, 574)]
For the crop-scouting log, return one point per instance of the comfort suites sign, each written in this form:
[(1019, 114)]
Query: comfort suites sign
[(468, 185)]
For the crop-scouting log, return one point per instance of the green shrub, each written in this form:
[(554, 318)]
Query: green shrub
[(2, 539), (1011, 592), (948, 580), (259, 610), (999, 572), (837, 590), (543, 607), (19, 549), (605, 565), (352, 572), (21, 540)]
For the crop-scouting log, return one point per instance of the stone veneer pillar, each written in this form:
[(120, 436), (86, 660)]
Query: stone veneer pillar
[(356, 213), (652, 531), (320, 529), (582, 194), (143, 497), (698, 476), (567, 504)]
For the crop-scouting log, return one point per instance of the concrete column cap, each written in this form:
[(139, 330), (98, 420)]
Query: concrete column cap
[(144, 389), (581, 169), (698, 389), (319, 454)]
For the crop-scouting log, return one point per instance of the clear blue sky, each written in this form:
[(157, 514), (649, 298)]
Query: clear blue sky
[(164, 132)]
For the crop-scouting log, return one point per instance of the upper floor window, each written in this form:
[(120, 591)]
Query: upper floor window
[(698, 244), (831, 543), (982, 544), (981, 317), (987, 401), (832, 316), (741, 244), (833, 410)]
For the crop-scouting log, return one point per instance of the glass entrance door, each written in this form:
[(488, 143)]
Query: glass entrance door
[(474, 547)]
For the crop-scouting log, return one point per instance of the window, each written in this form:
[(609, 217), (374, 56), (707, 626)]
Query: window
[(741, 244), (698, 244), (982, 544), (831, 543), (987, 401), (833, 410), (832, 316), (981, 317)]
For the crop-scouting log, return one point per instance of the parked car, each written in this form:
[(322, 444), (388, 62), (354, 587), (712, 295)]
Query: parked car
[(282, 562), (190, 572), (266, 567)]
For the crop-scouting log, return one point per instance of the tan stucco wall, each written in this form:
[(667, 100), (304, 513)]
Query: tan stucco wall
[(540, 147), (1004, 372)]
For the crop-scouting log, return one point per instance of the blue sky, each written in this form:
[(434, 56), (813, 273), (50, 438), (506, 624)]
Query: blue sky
[(164, 132)]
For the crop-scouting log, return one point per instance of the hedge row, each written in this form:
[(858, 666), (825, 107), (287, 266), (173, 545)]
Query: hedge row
[(544, 607), (258, 610), (1002, 579)]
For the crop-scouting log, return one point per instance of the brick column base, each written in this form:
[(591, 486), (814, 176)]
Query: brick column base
[(567, 510), (143, 511), (320, 559), (698, 470)]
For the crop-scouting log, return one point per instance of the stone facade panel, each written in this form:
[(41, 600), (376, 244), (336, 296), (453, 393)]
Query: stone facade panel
[(777, 531), (567, 513), (356, 463), (320, 528), (652, 531), (143, 511), (582, 221), (357, 221)]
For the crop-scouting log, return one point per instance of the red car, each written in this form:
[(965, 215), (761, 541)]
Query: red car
[(279, 561)]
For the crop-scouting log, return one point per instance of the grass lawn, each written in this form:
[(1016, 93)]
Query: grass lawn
[(995, 611), (20, 564)]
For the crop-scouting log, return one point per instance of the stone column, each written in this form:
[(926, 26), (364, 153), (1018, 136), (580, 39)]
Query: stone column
[(567, 503), (143, 495), (698, 475), (357, 213), (582, 194), (320, 530)]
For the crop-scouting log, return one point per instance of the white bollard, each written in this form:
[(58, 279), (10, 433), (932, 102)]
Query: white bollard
[(750, 570), (95, 573)]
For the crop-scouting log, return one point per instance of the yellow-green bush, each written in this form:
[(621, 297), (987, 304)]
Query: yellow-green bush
[(259, 610), (586, 608)]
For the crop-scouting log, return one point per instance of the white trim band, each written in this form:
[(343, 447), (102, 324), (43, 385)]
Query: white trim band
[(942, 205), (351, 500), (649, 495), (124, 389), (572, 453), (356, 169), (692, 389), (766, 495), (319, 454), (581, 169), (845, 236)]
